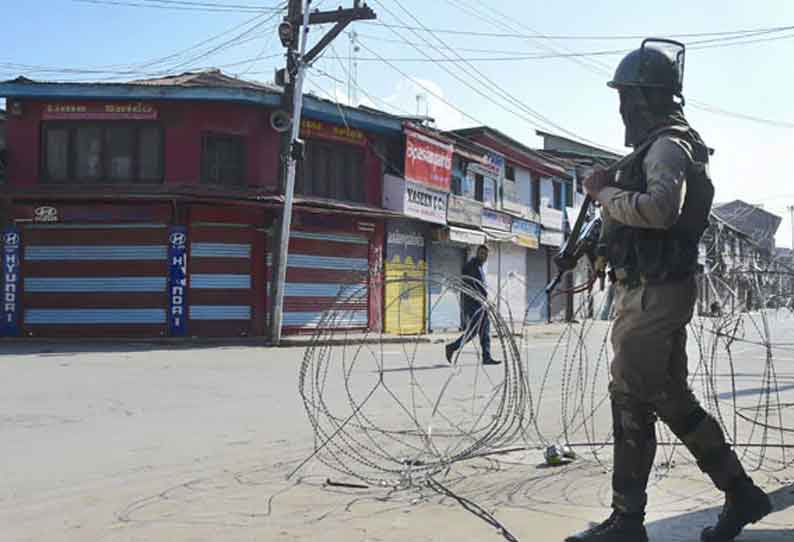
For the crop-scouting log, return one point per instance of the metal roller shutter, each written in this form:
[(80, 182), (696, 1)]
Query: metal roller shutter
[(445, 261), (404, 294), (94, 280), (513, 271), (327, 281), (536, 285), (221, 293)]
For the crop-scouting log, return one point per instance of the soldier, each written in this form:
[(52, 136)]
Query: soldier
[(655, 210)]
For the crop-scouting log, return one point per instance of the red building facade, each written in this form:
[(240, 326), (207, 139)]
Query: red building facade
[(148, 210)]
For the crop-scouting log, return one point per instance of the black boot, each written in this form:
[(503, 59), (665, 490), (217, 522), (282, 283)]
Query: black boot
[(450, 350), (745, 504), (617, 528)]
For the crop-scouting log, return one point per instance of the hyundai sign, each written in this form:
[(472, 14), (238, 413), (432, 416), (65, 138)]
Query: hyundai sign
[(11, 282), (177, 281)]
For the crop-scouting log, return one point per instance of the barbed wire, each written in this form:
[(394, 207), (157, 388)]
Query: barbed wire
[(407, 420)]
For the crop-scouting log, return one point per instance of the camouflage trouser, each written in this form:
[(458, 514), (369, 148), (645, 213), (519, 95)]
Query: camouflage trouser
[(649, 379)]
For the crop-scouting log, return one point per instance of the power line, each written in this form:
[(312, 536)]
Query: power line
[(210, 4), (742, 116), (530, 115), (512, 56), (225, 45), (601, 69), (181, 6), (516, 35)]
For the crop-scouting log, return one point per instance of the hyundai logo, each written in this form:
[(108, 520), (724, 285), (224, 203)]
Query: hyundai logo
[(11, 240), (178, 239), (45, 214)]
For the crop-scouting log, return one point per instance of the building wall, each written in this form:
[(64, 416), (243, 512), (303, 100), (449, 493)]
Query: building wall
[(183, 124)]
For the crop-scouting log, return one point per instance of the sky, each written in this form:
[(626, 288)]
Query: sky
[(519, 65)]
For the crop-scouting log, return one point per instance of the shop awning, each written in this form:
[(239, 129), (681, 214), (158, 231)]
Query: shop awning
[(499, 236), (466, 236)]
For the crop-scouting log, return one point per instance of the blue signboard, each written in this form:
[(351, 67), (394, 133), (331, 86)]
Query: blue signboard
[(525, 227), (177, 281), (11, 281), (496, 163), (527, 233)]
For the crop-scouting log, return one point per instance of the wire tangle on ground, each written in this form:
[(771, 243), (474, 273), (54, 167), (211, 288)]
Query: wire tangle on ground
[(399, 416)]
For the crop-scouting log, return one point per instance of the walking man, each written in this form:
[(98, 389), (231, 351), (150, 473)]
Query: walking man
[(475, 311), (655, 211)]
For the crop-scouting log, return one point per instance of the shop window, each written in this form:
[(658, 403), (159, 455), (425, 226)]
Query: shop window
[(557, 194), (223, 160), (536, 194), (331, 171), (102, 152), (510, 173), (479, 187), (56, 144), (457, 183)]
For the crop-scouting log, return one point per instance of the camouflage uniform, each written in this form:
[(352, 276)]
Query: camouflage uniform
[(649, 368)]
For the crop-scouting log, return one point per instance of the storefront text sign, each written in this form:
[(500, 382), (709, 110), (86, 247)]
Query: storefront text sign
[(551, 238), (551, 218), (99, 111), (496, 220), (414, 200), (527, 233), (11, 281), (464, 211), (311, 128), (467, 237), (177, 281), (495, 165), (428, 161)]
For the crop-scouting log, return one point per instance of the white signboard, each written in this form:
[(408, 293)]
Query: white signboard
[(414, 200), (551, 238), (469, 237), (551, 218)]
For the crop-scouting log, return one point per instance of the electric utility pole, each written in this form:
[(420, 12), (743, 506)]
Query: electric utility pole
[(294, 34)]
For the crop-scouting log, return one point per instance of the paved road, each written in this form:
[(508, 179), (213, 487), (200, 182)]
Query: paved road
[(139, 443)]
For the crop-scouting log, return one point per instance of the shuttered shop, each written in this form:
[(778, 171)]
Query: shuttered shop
[(446, 265), (327, 281), (94, 280), (221, 293), (513, 274), (537, 311)]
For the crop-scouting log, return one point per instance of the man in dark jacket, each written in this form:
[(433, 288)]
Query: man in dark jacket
[(475, 311)]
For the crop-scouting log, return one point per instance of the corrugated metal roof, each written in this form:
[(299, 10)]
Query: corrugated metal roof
[(208, 85), (545, 164), (214, 78)]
